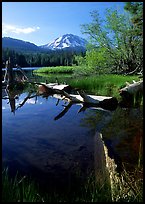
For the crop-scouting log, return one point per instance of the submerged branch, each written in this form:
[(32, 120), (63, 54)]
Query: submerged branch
[(64, 111), (28, 97)]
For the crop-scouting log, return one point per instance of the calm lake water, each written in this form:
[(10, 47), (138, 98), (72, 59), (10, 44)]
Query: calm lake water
[(59, 151)]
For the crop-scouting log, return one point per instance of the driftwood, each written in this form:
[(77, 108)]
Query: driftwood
[(132, 93), (61, 93), (133, 88), (9, 80), (88, 100)]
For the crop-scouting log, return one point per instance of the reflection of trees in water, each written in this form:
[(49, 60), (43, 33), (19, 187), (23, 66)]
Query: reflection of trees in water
[(125, 130), (13, 95), (96, 119), (122, 132), (51, 78)]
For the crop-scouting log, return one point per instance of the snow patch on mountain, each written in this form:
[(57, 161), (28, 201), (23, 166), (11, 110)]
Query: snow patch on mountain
[(66, 41)]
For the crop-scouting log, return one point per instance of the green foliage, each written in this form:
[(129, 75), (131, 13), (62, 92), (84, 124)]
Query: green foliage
[(76, 70), (82, 68), (115, 44), (96, 61), (16, 58), (136, 11), (80, 60)]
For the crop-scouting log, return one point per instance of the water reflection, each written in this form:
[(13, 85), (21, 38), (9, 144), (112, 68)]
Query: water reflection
[(122, 131), (51, 151), (31, 98), (53, 140)]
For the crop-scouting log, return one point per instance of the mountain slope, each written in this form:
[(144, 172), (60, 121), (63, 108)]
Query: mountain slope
[(19, 45), (67, 41)]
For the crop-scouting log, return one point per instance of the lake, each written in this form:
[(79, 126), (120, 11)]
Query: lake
[(57, 150)]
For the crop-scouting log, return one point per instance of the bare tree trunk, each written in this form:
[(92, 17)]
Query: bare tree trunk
[(9, 72)]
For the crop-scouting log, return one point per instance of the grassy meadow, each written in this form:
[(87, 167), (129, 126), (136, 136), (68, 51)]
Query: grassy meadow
[(107, 84)]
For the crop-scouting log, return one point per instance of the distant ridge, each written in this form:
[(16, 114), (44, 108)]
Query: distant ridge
[(19, 45), (65, 42)]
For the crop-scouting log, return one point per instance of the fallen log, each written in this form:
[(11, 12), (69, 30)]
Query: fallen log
[(132, 93), (53, 87), (109, 103), (133, 88), (105, 102)]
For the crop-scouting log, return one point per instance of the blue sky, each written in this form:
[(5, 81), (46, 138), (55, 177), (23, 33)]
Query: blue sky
[(42, 22)]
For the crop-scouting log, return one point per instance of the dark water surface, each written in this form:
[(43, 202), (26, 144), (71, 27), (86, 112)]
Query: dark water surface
[(36, 144), (58, 152)]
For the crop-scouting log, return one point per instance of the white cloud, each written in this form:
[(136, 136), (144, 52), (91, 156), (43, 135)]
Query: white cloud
[(31, 101), (6, 29)]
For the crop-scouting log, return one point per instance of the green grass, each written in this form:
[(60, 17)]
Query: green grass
[(58, 69), (126, 188), (104, 85), (19, 189), (26, 190), (107, 85)]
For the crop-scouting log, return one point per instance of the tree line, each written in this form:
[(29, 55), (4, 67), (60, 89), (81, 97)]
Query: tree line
[(38, 59)]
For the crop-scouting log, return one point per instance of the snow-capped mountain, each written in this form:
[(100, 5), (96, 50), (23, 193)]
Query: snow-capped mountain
[(67, 41)]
